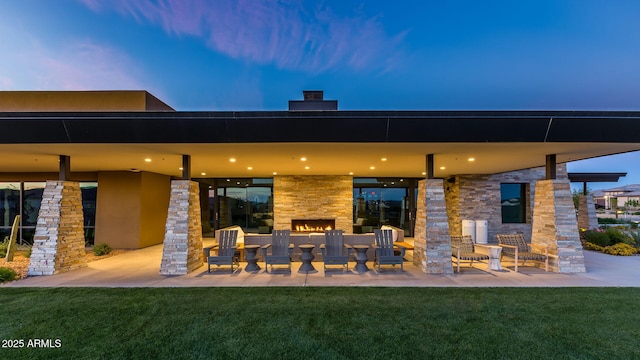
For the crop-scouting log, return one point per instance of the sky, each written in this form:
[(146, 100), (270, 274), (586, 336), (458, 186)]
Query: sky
[(374, 54)]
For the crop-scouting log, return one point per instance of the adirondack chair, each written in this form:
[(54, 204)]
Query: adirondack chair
[(334, 250), (281, 249), (462, 248), (226, 250), (516, 247), (384, 250)]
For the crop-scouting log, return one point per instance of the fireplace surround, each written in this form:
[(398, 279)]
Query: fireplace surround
[(312, 225)]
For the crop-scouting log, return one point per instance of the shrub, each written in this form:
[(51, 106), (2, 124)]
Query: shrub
[(607, 221), (621, 249), (597, 238), (7, 274), (592, 246), (101, 249), (3, 246), (616, 236), (27, 252)]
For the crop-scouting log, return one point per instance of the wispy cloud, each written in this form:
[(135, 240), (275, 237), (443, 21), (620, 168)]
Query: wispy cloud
[(87, 65), (80, 65), (287, 33)]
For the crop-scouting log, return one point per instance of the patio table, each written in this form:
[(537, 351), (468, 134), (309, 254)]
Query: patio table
[(361, 258), (306, 257), (251, 257)]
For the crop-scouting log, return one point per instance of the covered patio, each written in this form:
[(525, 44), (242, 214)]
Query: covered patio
[(159, 172), (139, 268)]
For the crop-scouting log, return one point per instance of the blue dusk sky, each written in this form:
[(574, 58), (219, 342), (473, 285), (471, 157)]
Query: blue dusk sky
[(374, 54)]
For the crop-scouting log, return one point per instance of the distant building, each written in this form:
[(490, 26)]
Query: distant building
[(616, 197)]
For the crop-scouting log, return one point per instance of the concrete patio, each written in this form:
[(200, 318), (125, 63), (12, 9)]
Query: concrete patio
[(140, 268)]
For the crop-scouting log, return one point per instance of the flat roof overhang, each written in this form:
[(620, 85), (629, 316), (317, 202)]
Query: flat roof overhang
[(596, 177), (336, 142)]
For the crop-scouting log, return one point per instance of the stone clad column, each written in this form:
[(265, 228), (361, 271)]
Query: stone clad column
[(555, 225), (58, 243), (182, 248), (587, 218), (432, 251)]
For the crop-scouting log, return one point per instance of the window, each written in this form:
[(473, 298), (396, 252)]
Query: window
[(245, 202), (9, 206), (513, 198), (382, 201)]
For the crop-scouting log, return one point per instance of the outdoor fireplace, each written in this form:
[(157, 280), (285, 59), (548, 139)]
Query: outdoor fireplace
[(312, 225)]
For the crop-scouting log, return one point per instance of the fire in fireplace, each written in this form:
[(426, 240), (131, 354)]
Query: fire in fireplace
[(312, 225)]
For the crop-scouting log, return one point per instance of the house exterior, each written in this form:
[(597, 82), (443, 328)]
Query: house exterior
[(618, 197), (133, 172)]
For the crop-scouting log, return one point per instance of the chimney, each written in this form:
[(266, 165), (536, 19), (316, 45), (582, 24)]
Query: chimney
[(313, 101)]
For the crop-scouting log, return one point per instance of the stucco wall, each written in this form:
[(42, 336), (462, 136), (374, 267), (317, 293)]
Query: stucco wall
[(131, 208)]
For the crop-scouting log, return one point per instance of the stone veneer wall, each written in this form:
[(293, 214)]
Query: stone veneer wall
[(587, 217), (555, 225), (313, 197), (58, 244), (182, 248), (432, 243), (477, 197)]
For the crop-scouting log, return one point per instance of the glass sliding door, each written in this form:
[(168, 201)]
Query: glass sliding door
[(247, 203), (31, 199), (9, 206), (382, 201)]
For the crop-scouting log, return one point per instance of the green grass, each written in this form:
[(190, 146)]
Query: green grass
[(323, 323)]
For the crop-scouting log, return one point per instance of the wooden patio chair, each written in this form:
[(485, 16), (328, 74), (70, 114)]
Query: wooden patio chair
[(463, 249), (516, 247), (384, 250), (334, 250), (226, 250), (281, 249)]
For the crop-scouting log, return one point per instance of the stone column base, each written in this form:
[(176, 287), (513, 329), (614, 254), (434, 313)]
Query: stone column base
[(432, 242), (58, 243), (555, 225), (182, 248)]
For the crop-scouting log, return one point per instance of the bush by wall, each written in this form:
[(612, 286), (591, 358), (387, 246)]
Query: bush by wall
[(101, 249), (7, 274), (597, 237)]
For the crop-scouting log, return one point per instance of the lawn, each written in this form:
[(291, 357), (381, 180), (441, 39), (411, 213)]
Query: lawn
[(321, 323)]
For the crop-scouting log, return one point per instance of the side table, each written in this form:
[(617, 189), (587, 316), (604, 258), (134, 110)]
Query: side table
[(494, 257), (306, 257), (361, 258), (251, 257)]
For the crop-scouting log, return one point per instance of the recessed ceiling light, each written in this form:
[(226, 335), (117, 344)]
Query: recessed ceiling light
[(442, 168), (249, 168), (424, 173), (471, 159), (275, 173), (350, 172), (303, 159), (147, 160), (180, 168), (232, 160), (306, 168), (372, 167), (383, 159), (203, 174)]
